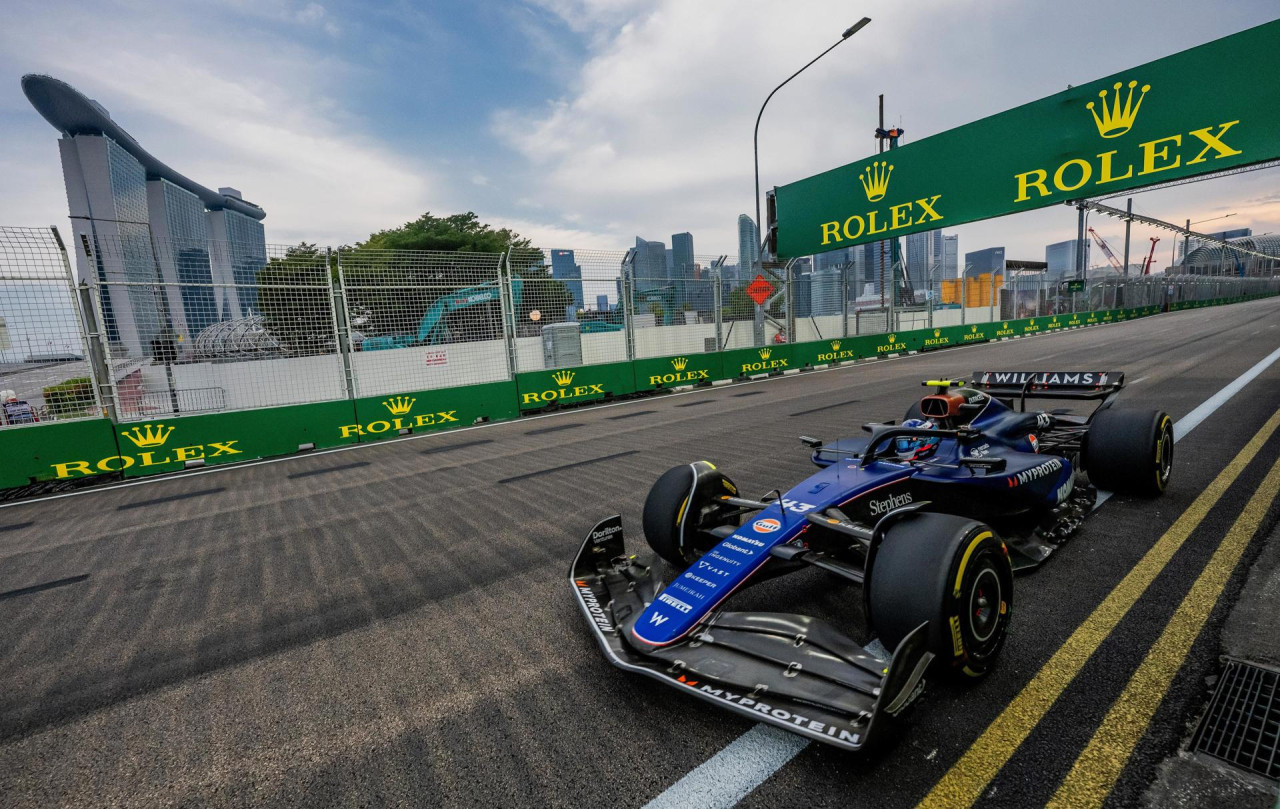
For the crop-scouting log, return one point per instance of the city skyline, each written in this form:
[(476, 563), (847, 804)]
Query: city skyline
[(336, 156)]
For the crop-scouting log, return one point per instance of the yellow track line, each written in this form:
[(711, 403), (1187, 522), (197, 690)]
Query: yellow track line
[(968, 777), (1096, 771)]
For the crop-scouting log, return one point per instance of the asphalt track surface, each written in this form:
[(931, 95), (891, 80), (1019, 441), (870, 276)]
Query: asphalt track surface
[(393, 626)]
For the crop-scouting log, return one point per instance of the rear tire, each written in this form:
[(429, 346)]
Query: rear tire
[(680, 509), (951, 572), (1130, 451)]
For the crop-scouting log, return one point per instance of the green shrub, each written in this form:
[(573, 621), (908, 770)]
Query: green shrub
[(71, 398)]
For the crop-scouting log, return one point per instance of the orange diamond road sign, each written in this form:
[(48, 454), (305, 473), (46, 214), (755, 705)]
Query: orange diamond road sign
[(759, 290)]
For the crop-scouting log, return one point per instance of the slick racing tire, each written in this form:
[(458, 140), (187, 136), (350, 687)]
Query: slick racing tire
[(1130, 451), (680, 512), (953, 573)]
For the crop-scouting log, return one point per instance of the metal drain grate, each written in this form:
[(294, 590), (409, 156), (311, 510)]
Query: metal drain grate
[(1242, 725)]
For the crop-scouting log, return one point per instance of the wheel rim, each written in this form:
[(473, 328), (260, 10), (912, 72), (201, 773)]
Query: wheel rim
[(985, 597), (1166, 456)]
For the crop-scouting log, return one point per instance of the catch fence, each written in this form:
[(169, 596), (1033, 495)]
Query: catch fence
[(161, 328)]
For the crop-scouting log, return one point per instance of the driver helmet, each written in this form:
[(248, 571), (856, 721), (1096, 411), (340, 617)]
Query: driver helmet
[(911, 447), (7, 396)]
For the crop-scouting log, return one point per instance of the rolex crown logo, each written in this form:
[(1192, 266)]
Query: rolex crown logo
[(875, 180), (765, 353), (1116, 120), (148, 435), (893, 337), (937, 332), (835, 345), (399, 405), (1005, 325), (679, 363), (562, 378), (974, 329)]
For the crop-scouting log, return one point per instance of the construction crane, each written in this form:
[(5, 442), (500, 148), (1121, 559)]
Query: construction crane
[(1107, 251), (1146, 267)]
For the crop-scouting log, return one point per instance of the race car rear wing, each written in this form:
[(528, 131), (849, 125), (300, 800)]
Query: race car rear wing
[(1049, 384)]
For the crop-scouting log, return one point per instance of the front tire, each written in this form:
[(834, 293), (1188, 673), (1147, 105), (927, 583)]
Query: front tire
[(681, 509), (1130, 451), (951, 572)]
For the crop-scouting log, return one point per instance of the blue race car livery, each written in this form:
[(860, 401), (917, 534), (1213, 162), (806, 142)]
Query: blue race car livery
[(931, 517)]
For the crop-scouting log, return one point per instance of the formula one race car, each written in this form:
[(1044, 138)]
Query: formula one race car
[(931, 517)]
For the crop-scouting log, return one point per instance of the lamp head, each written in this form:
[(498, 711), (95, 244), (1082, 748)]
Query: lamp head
[(855, 28)]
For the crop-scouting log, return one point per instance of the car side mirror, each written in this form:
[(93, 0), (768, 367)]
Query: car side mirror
[(810, 441)]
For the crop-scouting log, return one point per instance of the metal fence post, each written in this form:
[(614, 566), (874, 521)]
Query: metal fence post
[(628, 302), (844, 299), (717, 300), (103, 380), (341, 319), (507, 303), (791, 311), (89, 336)]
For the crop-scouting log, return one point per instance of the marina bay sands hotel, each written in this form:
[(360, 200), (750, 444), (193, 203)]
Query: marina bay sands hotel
[(133, 215)]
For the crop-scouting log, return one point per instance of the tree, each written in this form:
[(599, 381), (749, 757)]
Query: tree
[(293, 296), (394, 277), (463, 232)]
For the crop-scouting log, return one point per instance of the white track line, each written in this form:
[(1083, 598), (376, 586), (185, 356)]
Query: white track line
[(728, 774)]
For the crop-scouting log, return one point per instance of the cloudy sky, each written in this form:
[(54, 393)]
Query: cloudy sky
[(581, 123)]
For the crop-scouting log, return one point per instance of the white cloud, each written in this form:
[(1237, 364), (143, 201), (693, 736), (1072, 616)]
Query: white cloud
[(271, 131), (656, 128)]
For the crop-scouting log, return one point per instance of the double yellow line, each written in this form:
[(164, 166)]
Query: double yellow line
[(1094, 773)]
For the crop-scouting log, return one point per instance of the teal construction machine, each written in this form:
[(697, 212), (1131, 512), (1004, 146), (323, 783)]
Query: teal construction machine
[(433, 329)]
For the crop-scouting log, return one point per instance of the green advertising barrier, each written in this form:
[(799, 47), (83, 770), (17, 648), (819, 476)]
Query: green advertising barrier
[(655, 373), (942, 337), (897, 342), (835, 351), (33, 453), (1001, 329), (76, 449), (774, 359), (168, 444), (976, 333), (378, 417), (1198, 111), (1029, 325), (585, 383)]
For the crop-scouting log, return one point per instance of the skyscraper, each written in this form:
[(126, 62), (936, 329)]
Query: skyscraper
[(1061, 258), (951, 257), (748, 246), (924, 258), (238, 250), (146, 223), (990, 259), (682, 255), (567, 271), (650, 264)]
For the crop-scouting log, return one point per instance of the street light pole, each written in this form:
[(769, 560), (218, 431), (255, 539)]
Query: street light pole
[(755, 140), (1186, 237)]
